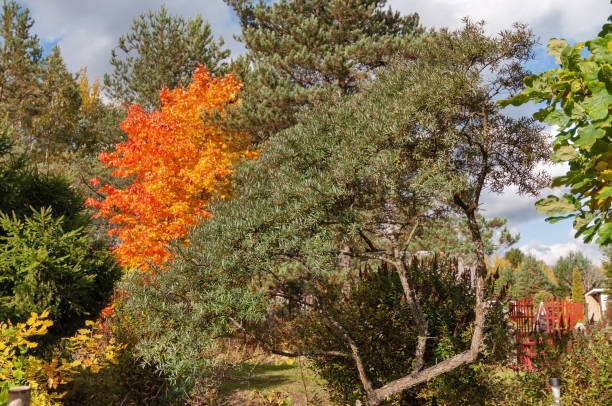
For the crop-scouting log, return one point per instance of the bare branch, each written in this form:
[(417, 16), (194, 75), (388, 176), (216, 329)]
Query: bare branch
[(367, 241), (276, 351), (367, 384)]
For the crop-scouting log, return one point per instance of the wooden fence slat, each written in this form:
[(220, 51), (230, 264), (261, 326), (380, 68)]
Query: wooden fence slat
[(560, 317)]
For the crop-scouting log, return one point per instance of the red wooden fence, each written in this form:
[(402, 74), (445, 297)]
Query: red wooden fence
[(552, 318)]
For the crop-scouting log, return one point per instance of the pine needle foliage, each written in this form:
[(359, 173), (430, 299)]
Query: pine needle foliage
[(298, 51), (39, 97), (20, 63), (161, 50), (341, 188)]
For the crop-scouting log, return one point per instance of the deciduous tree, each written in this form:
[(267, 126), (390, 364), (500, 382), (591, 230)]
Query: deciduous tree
[(177, 163), (577, 97), (351, 185)]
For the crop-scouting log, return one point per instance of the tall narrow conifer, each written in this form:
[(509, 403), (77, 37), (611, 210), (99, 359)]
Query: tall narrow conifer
[(577, 291)]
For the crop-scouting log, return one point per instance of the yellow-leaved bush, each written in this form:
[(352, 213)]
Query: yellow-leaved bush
[(86, 350)]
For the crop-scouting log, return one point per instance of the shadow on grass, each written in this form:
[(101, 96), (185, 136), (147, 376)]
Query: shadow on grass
[(261, 377)]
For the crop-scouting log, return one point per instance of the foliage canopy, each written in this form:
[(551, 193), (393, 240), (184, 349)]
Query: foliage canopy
[(176, 163), (577, 97), (353, 183), (300, 51)]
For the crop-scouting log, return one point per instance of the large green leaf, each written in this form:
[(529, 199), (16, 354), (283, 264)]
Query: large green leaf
[(583, 220), (605, 75), (605, 234), (555, 219), (517, 100), (588, 135), (605, 192), (565, 153), (556, 117), (597, 105), (600, 49), (552, 205)]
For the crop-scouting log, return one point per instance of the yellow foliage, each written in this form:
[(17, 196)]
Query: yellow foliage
[(499, 264), (85, 350), (89, 94), (549, 274)]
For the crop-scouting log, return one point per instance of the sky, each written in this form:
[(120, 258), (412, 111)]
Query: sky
[(87, 30)]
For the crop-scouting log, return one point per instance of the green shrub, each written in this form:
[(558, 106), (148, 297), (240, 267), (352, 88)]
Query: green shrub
[(583, 362), (128, 382), (585, 369), (23, 187), (380, 321), (43, 266)]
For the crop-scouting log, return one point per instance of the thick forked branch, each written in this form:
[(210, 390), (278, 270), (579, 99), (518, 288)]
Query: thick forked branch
[(464, 358), (419, 375), (365, 381), (413, 302), (417, 314)]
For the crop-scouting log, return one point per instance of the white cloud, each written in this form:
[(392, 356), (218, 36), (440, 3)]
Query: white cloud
[(515, 207), (87, 30), (550, 253), (574, 20)]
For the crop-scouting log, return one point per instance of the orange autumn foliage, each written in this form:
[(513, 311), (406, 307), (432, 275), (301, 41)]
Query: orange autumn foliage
[(178, 163)]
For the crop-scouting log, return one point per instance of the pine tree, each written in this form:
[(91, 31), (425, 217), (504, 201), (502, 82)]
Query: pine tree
[(160, 51), (98, 128), (590, 275), (54, 130), (38, 95), (299, 50), (577, 291), (20, 66), (532, 279), (515, 256)]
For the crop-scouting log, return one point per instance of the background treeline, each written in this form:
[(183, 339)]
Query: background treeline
[(572, 276)]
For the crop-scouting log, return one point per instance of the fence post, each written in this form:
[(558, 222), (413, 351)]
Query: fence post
[(19, 396)]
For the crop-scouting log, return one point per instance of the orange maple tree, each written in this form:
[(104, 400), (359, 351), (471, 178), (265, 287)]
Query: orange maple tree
[(178, 163)]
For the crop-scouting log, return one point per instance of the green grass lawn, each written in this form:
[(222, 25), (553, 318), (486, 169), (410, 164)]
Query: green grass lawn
[(273, 381)]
